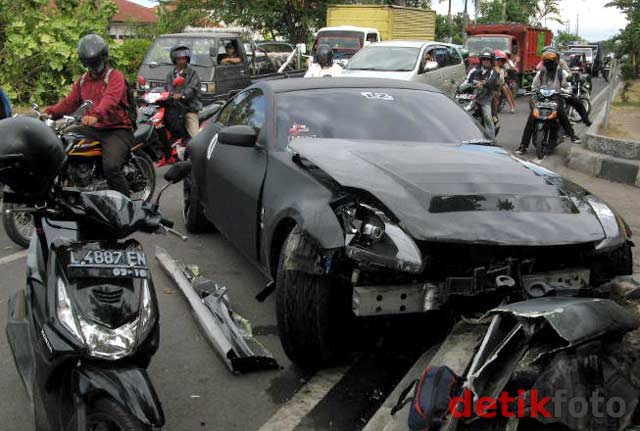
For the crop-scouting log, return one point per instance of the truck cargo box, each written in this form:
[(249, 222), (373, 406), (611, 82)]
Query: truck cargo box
[(393, 22)]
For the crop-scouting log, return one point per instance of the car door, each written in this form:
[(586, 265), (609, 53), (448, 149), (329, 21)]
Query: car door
[(430, 77), (235, 174), (455, 72), (230, 77)]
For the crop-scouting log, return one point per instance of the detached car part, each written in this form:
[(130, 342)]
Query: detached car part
[(229, 333)]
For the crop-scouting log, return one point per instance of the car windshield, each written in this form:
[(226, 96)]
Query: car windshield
[(587, 51), (343, 43), (477, 44), (385, 59), (373, 114), (159, 53)]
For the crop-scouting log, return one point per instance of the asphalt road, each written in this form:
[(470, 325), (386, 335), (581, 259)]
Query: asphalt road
[(197, 391)]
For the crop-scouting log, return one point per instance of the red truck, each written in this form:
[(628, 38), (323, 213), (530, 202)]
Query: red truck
[(524, 41)]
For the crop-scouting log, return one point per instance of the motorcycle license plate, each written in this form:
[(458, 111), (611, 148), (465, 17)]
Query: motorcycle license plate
[(103, 263)]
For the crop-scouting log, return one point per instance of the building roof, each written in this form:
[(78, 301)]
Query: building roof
[(132, 12)]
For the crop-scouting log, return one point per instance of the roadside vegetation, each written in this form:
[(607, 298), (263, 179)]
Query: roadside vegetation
[(623, 118)]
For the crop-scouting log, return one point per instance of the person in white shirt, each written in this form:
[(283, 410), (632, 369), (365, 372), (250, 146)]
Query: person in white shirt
[(323, 65)]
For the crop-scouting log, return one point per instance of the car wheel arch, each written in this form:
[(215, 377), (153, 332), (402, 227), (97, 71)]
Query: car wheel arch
[(280, 234)]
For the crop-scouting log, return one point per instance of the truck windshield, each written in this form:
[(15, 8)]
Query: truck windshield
[(587, 52), (385, 59), (159, 53), (475, 44), (343, 43), (374, 114)]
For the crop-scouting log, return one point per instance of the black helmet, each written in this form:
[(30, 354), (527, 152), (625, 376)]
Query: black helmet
[(325, 55), (93, 52), (31, 156), (180, 51), (486, 53)]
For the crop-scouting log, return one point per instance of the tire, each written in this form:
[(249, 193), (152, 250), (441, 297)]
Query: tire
[(312, 310), (18, 226), (537, 142), (108, 414), (145, 173), (192, 211)]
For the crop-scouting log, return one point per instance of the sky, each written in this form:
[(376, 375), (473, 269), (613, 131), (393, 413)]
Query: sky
[(596, 22)]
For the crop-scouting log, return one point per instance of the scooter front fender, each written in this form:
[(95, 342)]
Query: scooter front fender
[(129, 386)]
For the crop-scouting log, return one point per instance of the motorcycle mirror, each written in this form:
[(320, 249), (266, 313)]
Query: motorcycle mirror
[(178, 82), (35, 107), (178, 172), (141, 80), (87, 104)]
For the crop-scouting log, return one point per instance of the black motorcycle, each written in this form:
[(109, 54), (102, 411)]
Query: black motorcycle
[(581, 88), (466, 95), (85, 328), (544, 104)]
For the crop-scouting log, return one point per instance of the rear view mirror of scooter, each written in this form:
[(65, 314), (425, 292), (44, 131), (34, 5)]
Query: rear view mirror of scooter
[(174, 175)]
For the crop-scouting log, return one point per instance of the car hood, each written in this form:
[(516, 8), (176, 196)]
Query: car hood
[(404, 76), (460, 192)]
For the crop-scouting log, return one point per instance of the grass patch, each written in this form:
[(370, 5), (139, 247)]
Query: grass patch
[(633, 96), (613, 131)]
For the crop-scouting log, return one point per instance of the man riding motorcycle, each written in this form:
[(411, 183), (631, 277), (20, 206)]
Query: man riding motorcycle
[(502, 69), (107, 120), (485, 77), (323, 65), (189, 91), (553, 75)]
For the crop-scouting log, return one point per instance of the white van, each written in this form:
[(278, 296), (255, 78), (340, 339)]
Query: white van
[(437, 64)]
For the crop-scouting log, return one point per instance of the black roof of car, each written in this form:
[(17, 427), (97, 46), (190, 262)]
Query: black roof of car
[(296, 84)]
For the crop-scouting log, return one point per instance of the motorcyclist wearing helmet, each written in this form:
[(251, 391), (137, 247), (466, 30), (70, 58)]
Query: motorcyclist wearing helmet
[(485, 77), (563, 64), (188, 91), (501, 70), (107, 120), (323, 64), (552, 75)]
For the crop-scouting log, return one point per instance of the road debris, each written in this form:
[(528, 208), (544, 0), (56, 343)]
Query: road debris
[(228, 332)]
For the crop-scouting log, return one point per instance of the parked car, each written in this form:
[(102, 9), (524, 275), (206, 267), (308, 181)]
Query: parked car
[(372, 197), (434, 63)]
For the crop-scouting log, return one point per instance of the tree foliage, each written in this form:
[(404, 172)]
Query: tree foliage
[(443, 30), (38, 44), (629, 37), (564, 38), (521, 11)]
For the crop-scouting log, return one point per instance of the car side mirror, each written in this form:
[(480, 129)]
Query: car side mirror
[(238, 136)]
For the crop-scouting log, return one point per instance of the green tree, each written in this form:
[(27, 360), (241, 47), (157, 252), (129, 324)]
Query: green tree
[(38, 44), (522, 11), (630, 36), (443, 29), (564, 38)]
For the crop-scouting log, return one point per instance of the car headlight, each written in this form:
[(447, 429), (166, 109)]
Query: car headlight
[(375, 241), (615, 228), (103, 342)]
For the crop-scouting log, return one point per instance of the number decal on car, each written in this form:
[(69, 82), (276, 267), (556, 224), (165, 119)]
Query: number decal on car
[(379, 96)]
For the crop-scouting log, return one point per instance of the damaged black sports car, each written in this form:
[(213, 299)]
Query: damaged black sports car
[(363, 198)]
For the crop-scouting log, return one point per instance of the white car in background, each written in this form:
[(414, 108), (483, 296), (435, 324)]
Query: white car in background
[(437, 64)]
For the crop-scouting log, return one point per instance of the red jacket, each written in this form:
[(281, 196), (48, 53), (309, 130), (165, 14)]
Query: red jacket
[(110, 103)]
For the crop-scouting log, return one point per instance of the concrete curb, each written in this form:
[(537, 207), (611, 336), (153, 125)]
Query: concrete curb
[(604, 157)]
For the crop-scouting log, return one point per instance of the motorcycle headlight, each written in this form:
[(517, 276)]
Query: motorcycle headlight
[(64, 310), (103, 342)]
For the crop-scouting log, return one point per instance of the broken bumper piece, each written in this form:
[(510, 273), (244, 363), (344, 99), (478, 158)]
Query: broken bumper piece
[(229, 333), (423, 297)]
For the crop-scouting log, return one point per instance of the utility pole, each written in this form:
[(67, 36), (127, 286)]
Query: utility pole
[(577, 24), (465, 21)]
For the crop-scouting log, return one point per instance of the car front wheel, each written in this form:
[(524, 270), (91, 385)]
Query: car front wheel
[(192, 210), (313, 310)]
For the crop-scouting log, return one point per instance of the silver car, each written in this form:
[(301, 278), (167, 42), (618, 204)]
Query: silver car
[(434, 63)]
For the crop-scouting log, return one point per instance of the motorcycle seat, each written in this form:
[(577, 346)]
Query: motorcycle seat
[(141, 133)]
